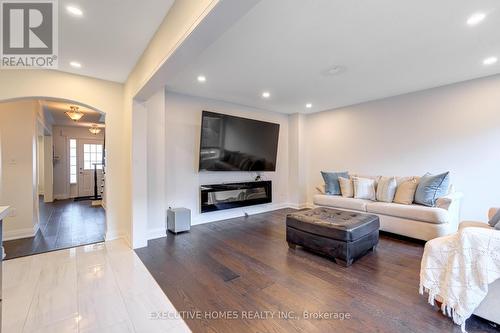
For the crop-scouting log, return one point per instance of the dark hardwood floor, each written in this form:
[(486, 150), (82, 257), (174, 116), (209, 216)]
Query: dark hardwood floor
[(63, 224), (244, 264)]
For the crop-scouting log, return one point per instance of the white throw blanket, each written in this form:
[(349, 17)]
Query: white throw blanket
[(458, 268)]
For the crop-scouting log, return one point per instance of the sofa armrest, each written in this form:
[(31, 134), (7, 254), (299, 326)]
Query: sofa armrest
[(451, 203), (492, 211), (321, 189), (448, 200)]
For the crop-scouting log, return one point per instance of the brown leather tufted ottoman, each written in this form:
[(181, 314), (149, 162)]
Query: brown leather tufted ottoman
[(342, 235)]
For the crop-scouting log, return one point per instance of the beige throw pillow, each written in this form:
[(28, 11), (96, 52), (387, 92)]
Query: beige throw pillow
[(386, 189), (364, 188), (346, 187), (405, 192), (400, 180)]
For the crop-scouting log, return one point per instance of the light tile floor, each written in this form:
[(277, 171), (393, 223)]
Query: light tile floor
[(95, 288)]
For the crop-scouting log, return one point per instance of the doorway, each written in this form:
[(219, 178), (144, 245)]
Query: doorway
[(69, 173), (90, 164)]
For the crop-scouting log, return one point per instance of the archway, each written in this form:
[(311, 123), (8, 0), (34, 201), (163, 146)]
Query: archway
[(59, 159)]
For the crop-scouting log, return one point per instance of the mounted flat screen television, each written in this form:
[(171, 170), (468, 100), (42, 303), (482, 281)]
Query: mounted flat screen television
[(230, 143)]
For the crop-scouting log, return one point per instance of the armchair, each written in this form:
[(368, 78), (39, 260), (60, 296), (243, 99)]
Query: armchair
[(488, 309)]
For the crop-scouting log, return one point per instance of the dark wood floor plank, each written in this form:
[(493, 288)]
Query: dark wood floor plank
[(244, 264), (63, 224)]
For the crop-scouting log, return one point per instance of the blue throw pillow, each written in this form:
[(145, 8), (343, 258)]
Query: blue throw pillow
[(495, 219), (432, 187), (331, 179)]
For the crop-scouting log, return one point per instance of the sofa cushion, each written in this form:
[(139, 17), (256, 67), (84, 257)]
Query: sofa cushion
[(412, 212), (400, 180), (332, 181), (386, 189), (364, 188), (375, 178), (346, 187), (432, 187), (405, 191), (338, 201)]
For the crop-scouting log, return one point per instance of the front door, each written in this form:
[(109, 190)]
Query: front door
[(89, 157)]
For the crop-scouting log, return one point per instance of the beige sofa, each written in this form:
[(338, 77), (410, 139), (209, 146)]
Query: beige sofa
[(488, 309), (415, 221)]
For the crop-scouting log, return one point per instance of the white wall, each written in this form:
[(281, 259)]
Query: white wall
[(19, 181), (454, 128), (181, 146), (40, 159), (155, 141), (48, 169), (181, 20), (60, 136), (139, 174), (297, 181)]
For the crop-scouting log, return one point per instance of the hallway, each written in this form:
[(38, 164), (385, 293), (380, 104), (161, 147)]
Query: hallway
[(63, 224)]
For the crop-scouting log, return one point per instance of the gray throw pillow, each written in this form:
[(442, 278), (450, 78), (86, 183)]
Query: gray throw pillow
[(495, 219), (331, 179), (432, 187), (497, 226)]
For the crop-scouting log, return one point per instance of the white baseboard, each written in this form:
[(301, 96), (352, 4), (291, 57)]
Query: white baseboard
[(156, 233), (229, 214), (300, 206), (20, 233), (126, 238), (61, 196), (115, 234)]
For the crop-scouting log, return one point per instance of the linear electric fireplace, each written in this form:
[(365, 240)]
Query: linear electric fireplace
[(232, 195)]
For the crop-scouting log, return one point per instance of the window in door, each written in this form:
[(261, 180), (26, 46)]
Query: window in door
[(72, 161), (92, 154)]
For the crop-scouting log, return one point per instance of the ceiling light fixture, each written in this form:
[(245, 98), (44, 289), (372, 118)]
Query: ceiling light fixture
[(74, 113), (266, 94), (490, 61), (95, 129), (475, 19), (202, 78), (75, 64), (309, 105), (74, 10), (334, 70)]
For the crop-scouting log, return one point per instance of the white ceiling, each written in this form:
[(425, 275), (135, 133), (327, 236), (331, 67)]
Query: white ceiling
[(58, 108), (386, 47), (110, 36)]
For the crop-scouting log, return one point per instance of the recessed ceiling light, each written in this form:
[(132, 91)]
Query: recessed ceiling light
[(266, 94), (476, 18), (490, 61), (75, 64), (309, 105), (334, 70), (202, 78), (74, 10)]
